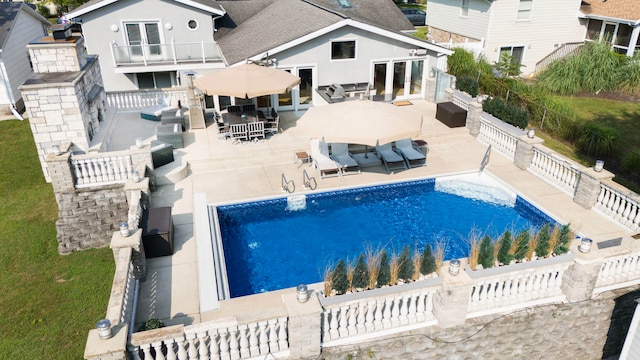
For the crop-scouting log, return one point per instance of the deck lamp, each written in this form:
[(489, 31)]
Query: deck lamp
[(454, 267), (56, 150), (585, 245), (135, 176), (124, 229), (302, 293), (104, 329), (139, 142), (598, 166), (531, 133)]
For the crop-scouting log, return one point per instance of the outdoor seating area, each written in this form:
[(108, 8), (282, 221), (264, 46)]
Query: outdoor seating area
[(391, 158), (244, 122), (170, 134)]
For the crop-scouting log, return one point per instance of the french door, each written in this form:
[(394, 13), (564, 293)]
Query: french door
[(143, 38), (399, 79)]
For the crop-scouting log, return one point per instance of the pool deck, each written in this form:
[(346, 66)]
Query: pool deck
[(226, 172)]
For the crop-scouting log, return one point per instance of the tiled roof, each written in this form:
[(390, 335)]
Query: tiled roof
[(618, 9), (283, 21), (8, 12)]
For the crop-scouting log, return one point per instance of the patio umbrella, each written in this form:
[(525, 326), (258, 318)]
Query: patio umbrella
[(247, 81), (361, 122)]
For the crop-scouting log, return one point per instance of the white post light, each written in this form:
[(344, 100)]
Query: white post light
[(599, 165), (124, 229), (302, 293), (585, 245), (454, 267), (104, 329)]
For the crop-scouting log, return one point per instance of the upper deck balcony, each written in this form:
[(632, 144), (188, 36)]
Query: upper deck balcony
[(165, 54)]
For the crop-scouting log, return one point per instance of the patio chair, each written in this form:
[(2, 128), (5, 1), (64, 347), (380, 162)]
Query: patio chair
[(321, 160), (340, 154), (411, 152), (234, 108), (238, 132), (272, 126), (391, 159), (255, 130), (248, 108), (170, 134), (173, 116), (224, 132)]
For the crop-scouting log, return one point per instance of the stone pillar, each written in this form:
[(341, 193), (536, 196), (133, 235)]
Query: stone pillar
[(60, 170), (141, 158), (451, 302), (473, 118), (589, 187), (524, 151), (430, 89), (133, 241), (579, 279), (305, 326), (114, 348), (448, 95)]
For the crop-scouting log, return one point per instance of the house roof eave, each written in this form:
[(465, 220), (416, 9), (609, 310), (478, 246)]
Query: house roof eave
[(100, 4), (611, 19)]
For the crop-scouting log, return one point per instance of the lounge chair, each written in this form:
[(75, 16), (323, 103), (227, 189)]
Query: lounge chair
[(391, 159), (340, 154), (413, 157), (321, 160)]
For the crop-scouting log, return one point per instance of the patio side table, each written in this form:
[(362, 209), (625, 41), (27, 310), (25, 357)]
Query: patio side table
[(302, 157)]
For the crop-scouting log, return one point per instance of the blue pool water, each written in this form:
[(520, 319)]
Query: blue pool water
[(269, 246)]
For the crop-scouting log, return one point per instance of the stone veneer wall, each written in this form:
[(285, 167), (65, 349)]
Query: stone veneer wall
[(441, 36), (87, 218), (591, 329)]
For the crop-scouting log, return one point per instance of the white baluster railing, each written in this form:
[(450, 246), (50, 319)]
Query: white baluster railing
[(376, 315), (501, 136), (136, 100), (461, 99), (618, 272), (513, 290), (623, 208), (559, 171), (101, 168), (121, 301), (224, 339)]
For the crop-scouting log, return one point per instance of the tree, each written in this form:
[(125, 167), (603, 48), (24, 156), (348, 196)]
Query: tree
[(508, 66), (428, 263), (522, 244), (406, 265), (543, 236), (360, 274), (339, 280), (65, 6), (564, 237), (384, 276), (485, 258), (505, 245)]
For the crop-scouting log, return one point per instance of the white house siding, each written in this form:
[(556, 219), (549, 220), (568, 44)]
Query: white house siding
[(15, 56), (553, 22), (445, 15), (370, 48), (99, 35)]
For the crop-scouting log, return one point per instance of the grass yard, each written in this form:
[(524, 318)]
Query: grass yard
[(49, 302)]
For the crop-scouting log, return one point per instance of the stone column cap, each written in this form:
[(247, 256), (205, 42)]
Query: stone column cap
[(132, 241), (97, 348)]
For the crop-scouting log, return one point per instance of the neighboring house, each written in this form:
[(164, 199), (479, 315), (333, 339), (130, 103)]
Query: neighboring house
[(19, 25), (531, 30), (153, 44)]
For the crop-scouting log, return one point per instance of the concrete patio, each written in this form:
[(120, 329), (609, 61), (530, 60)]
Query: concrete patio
[(226, 173)]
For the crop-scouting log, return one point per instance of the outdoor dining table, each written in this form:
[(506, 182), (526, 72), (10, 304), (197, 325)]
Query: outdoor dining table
[(242, 118)]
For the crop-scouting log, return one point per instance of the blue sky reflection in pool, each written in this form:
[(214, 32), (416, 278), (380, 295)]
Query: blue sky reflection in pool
[(269, 246)]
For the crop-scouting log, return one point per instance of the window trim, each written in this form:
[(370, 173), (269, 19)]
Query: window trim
[(464, 8), (528, 12), (355, 50)]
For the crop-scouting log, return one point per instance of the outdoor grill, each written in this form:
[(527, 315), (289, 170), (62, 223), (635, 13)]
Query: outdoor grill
[(336, 92)]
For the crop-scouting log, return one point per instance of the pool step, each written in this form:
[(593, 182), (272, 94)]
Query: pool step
[(172, 173)]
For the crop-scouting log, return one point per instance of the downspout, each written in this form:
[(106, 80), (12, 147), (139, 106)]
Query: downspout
[(5, 80)]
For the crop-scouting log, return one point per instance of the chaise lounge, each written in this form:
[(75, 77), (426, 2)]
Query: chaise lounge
[(340, 154), (321, 160), (411, 152), (391, 159)]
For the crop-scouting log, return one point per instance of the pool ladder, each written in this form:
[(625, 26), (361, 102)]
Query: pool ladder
[(287, 185), (309, 182)]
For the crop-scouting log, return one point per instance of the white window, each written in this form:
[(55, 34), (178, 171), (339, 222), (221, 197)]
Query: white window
[(141, 34), (341, 50), (524, 10), (464, 8)]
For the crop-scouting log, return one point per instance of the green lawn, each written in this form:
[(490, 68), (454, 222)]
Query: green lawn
[(48, 302)]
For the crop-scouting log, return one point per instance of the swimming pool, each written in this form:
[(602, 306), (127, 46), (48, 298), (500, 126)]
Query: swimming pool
[(270, 244)]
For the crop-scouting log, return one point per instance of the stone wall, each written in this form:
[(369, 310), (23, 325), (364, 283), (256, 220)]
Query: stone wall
[(440, 36), (88, 217), (591, 329)]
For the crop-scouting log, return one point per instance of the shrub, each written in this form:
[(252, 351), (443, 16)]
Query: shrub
[(597, 139), (461, 63), (384, 275), (360, 274), (520, 244), (485, 257), (339, 279), (630, 82), (405, 270), (508, 113), (151, 324), (542, 241), (373, 266), (505, 241), (43, 10), (394, 269), (468, 85), (428, 263), (631, 162), (564, 239)]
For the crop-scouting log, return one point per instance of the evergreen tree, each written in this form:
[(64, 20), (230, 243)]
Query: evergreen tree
[(360, 274), (522, 244), (485, 258), (384, 276), (339, 280), (428, 261), (505, 245), (543, 236), (563, 244), (406, 265)]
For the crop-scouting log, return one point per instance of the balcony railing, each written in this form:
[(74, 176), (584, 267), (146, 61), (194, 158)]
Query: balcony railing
[(162, 54)]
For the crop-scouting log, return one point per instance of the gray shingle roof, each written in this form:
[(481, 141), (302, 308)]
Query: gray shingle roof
[(282, 21), (8, 13)]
